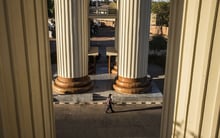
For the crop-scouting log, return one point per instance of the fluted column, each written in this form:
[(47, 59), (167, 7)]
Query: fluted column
[(72, 46), (133, 46), (26, 109), (192, 83)]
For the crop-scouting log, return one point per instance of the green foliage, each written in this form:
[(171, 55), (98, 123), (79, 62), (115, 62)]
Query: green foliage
[(112, 5), (162, 9), (50, 8), (158, 43)]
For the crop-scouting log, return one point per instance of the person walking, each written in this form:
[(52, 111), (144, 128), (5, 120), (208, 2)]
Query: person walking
[(109, 104)]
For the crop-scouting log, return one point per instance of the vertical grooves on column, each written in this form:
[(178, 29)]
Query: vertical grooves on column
[(72, 33), (183, 32), (74, 10), (137, 42), (130, 35), (63, 37), (128, 43), (121, 38), (77, 47), (192, 68), (61, 40), (171, 83), (67, 40), (69, 37), (122, 34), (12, 71), (136, 26), (133, 43), (58, 39), (39, 68), (82, 32), (132, 49), (71, 40), (22, 111), (121, 54), (48, 107), (32, 123), (79, 43), (142, 36), (82, 47), (56, 4), (126, 46), (86, 24), (208, 68), (38, 112)]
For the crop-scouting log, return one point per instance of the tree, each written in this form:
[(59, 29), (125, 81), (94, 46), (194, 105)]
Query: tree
[(50, 8), (162, 10), (112, 5)]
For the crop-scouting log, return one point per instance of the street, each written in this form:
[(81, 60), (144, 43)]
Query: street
[(90, 121)]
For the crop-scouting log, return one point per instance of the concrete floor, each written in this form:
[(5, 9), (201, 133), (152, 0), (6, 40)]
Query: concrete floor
[(90, 121)]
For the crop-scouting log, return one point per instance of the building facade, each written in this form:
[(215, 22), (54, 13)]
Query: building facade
[(192, 84)]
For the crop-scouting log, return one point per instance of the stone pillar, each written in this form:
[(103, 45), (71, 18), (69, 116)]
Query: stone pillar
[(192, 83), (25, 68), (133, 46), (72, 46)]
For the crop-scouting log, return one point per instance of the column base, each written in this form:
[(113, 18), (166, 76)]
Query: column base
[(132, 86), (72, 85), (115, 70)]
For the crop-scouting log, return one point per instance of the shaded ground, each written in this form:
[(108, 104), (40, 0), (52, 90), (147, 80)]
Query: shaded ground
[(90, 121), (157, 74)]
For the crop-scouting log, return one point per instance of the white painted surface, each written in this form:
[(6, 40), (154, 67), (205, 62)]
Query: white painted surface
[(72, 35), (133, 45)]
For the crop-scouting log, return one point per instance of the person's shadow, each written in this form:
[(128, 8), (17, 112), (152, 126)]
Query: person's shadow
[(140, 109)]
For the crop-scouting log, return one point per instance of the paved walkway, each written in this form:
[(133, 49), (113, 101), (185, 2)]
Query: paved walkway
[(90, 121)]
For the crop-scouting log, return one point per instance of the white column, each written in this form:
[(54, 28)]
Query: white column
[(133, 45), (72, 46), (134, 19), (25, 68), (192, 84), (72, 37)]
